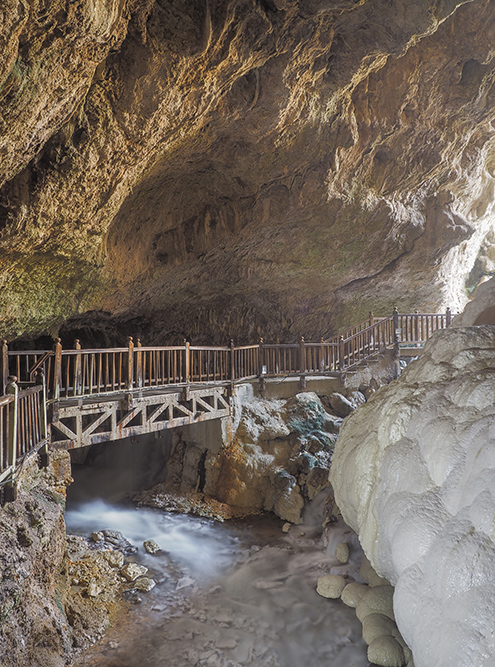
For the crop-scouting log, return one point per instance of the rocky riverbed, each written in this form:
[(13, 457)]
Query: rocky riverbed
[(229, 594)]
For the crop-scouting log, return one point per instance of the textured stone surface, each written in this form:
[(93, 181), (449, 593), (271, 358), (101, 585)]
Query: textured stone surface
[(413, 474), (57, 593), (330, 586), (278, 457), (242, 167)]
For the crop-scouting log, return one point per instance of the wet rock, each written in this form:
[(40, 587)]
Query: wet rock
[(288, 502), (152, 547), (114, 558), (386, 652), (132, 571), (342, 552), (376, 600), (184, 582), (97, 536), (331, 586), (352, 593), (116, 540), (145, 584), (375, 625), (286, 527), (341, 405), (316, 481)]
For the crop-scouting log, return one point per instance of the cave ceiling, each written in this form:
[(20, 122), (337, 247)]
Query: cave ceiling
[(242, 168)]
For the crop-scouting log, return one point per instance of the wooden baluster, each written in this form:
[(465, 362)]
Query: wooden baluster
[(12, 390), (139, 364), (130, 363), (341, 353), (77, 370), (187, 362), (40, 380), (91, 372), (99, 379), (232, 361), (396, 343)]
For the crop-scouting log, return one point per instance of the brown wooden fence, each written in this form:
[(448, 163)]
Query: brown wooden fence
[(86, 372), (23, 425), (5, 432), (67, 373)]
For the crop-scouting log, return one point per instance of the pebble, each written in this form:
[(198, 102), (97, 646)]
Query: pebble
[(152, 547), (226, 643), (114, 558), (184, 582), (132, 571), (331, 586), (144, 584), (342, 552)]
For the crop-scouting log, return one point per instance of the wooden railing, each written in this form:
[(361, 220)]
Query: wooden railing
[(68, 373), (6, 447), (23, 425), (85, 372)]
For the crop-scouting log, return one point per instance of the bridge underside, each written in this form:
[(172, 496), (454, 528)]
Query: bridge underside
[(84, 422)]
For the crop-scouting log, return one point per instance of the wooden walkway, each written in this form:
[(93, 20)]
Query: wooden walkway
[(78, 397)]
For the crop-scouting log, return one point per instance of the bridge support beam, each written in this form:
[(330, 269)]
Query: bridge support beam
[(84, 422)]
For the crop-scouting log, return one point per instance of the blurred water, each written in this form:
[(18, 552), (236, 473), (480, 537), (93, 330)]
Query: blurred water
[(229, 595)]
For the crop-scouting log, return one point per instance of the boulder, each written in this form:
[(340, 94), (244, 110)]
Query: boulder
[(152, 547), (331, 586), (132, 571)]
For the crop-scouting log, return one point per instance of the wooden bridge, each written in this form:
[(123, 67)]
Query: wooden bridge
[(67, 398)]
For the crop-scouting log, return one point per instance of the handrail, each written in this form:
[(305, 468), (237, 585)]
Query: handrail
[(94, 371), (23, 427)]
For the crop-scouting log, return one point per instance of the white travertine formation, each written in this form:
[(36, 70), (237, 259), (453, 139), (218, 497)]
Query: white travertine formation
[(414, 476)]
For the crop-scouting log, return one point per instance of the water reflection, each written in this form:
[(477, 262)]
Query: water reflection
[(229, 594)]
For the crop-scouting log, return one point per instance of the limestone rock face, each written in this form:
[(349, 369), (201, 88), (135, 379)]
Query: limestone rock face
[(278, 458), (413, 473), (242, 167)]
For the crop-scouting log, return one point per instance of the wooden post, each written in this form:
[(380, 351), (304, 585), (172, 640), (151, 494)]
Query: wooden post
[(4, 363), (261, 366), (232, 365), (130, 363), (396, 343), (232, 360), (302, 355), (77, 370), (57, 368), (187, 364), (302, 364), (12, 390), (341, 353), (372, 318), (448, 318), (396, 327), (43, 453), (139, 364)]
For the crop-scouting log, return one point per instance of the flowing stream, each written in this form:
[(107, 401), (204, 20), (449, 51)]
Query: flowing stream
[(228, 594)]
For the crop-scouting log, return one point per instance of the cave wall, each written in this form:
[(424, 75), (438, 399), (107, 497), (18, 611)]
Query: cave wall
[(242, 168)]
